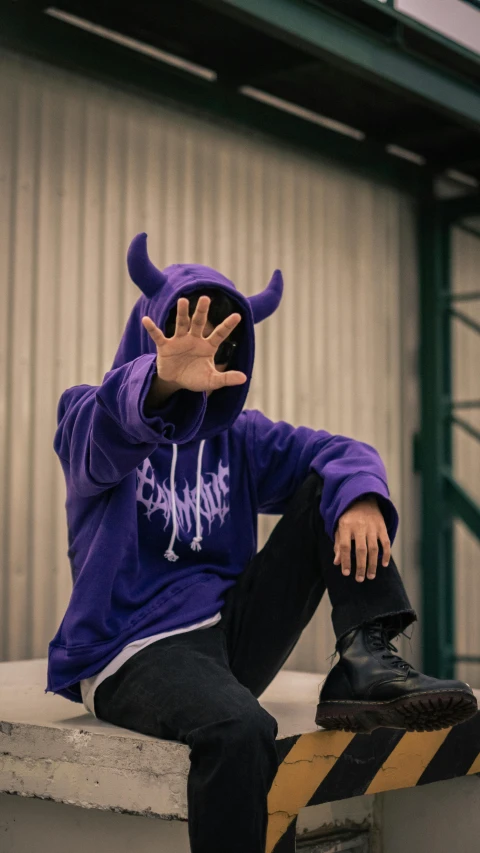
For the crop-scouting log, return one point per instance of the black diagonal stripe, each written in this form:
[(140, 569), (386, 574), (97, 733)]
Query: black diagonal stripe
[(352, 773), (284, 746), (456, 754), (286, 844)]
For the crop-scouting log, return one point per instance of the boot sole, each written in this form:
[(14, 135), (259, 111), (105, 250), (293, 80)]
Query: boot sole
[(417, 712)]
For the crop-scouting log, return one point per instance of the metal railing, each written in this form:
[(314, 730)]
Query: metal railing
[(444, 500)]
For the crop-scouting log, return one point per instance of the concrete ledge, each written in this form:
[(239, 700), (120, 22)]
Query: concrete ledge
[(53, 749)]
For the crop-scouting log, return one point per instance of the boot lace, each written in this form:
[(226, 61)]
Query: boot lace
[(377, 635)]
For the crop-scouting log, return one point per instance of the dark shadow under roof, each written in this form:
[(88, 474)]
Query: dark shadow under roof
[(243, 51)]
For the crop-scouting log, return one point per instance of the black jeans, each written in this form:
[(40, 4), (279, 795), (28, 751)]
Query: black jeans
[(201, 687)]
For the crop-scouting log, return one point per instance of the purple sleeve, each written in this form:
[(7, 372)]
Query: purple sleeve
[(103, 432), (282, 456)]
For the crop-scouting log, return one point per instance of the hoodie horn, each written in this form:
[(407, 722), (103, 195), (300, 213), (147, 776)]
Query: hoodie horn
[(265, 303), (145, 275)]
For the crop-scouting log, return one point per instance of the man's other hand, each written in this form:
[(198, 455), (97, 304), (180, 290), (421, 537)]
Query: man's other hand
[(362, 522)]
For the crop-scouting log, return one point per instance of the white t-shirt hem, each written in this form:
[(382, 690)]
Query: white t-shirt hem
[(89, 685)]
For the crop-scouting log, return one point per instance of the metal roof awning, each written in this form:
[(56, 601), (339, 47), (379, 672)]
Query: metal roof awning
[(354, 66)]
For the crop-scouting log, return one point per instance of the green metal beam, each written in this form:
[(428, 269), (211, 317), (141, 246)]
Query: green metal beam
[(462, 505), (463, 404), (61, 44), (322, 34), (387, 7), (435, 443), (447, 531), (466, 296), (466, 658)]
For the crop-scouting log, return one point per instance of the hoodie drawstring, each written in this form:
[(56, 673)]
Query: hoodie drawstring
[(195, 543), (170, 553)]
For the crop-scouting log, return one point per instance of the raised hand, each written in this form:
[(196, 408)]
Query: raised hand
[(186, 359)]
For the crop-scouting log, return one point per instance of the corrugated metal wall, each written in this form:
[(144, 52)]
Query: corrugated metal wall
[(83, 168), (466, 450)]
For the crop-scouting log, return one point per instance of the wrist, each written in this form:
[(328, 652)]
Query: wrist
[(369, 496), (165, 384), (159, 392)]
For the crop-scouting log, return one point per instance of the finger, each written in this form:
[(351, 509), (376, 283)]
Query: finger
[(155, 333), (372, 544), (336, 549), (345, 551), (385, 542), (200, 316), (231, 377), (222, 331), (361, 556), (182, 324)]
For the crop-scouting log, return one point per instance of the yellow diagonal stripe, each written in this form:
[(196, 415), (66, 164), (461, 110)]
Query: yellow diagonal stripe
[(407, 761), (298, 777), (475, 768)]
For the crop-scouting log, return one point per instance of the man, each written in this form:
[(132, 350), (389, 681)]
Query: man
[(176, 624)]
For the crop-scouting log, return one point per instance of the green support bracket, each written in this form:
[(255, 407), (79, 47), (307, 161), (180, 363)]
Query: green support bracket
[(472, 324), (462, 505), (475, 433)]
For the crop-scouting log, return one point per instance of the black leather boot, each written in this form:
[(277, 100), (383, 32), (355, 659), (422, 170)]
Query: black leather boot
[(370, 687)]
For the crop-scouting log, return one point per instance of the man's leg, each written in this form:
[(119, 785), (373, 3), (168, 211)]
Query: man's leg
[(281, 588), (181, 688), (275, 598)]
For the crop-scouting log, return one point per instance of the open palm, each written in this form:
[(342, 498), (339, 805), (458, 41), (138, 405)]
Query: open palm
[(187, 358)]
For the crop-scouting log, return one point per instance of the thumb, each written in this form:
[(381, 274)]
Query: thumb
[(231, 377)]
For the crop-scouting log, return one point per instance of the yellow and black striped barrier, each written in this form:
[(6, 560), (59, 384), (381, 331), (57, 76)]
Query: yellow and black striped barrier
[(322, 766)]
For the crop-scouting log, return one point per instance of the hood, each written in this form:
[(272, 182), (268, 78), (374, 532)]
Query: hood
[(160, 292)]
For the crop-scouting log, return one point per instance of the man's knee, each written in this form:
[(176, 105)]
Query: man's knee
[(314, 480), (251, 728), (246, 728), (311, 488)]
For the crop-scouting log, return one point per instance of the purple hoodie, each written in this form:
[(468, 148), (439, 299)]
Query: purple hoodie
[(162, 510)]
